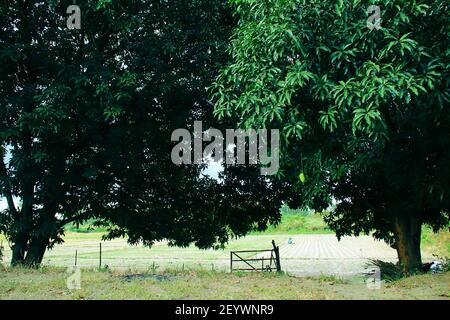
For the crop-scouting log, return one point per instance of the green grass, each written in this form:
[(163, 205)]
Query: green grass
[(299, 223), (292, 222), (189, 273), (436, 243), (50, 283), (330, 279), (86, 227)]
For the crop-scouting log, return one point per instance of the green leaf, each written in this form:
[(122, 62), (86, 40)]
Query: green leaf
[(301, 177)]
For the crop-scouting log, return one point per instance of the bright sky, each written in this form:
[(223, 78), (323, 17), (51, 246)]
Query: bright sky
[(3, 204), (213, 169)]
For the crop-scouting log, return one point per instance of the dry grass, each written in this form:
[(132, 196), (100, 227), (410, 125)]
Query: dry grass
[(50, 283)]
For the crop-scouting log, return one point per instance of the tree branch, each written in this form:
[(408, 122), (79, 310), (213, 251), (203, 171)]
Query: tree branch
[(83, 215)]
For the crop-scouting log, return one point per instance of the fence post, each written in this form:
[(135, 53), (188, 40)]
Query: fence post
[(100, 260), (231, 261), (277, 255), (76, 257)]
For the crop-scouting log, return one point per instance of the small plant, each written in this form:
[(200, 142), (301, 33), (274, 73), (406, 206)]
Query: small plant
[(153, 267), (104, 268), (330, 279)]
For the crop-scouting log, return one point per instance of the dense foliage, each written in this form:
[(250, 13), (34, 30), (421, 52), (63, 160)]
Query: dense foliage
[(86, 118), (364, 112)]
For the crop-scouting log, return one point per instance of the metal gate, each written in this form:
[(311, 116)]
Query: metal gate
[(266, 264)]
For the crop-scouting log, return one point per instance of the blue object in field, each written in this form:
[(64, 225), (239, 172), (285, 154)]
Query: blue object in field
[(290, 241), (436, 266)]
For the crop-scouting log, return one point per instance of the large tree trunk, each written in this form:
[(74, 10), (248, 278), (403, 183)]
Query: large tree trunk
[(20, 242), (407, 230), (29, 255), (18, 250), (36, 252)]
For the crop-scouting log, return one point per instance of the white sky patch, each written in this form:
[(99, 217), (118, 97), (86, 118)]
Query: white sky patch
[(213, 169), (3, 204), (7, 154)]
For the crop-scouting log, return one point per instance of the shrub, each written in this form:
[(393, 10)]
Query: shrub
[(389, 271)]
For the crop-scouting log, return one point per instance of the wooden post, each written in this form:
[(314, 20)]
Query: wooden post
[(231, 261), (76, 257), (278, 260), (277, 255), (100, 260)]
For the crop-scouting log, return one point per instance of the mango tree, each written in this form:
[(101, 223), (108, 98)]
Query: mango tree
[(363, 106), (86, 116)]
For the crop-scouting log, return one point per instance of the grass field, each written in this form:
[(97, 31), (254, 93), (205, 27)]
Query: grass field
[(118, 254), (50, 283), (163, 272)]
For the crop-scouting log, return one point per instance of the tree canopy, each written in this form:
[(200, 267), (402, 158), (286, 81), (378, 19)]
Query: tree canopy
[(86, 117), (363, 112)]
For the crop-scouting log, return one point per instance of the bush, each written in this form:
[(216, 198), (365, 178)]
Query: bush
[(392, 272), (389, 271)]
